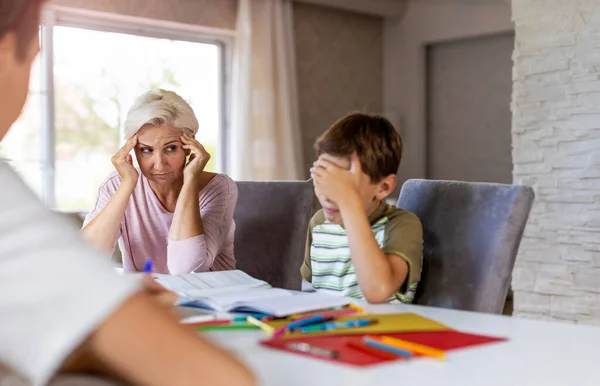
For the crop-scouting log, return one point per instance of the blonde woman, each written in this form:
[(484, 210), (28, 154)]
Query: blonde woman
[(173, 212)]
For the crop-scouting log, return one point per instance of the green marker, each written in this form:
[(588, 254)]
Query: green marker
[(336, 325)]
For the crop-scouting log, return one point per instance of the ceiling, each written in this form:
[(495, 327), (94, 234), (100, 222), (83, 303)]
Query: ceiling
[(383, 8)]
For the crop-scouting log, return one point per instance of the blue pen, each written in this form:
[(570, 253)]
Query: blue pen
[(336, 325), (305, 322), (385, 347), (148, 266)]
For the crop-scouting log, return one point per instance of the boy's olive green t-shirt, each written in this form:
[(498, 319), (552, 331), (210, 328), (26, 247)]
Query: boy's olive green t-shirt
[(328, 264)]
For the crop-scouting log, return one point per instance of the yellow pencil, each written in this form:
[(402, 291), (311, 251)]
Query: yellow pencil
[(357, 308), (263, 326), (414, 347)]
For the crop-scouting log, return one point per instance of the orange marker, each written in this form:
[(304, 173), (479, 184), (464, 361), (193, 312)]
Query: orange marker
[(410, 346)]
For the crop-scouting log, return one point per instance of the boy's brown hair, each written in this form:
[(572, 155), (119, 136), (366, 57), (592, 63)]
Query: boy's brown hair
[(373, 138), (23, 18)]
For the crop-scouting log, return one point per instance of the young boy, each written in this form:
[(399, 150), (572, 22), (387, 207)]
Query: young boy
[(357, 245)]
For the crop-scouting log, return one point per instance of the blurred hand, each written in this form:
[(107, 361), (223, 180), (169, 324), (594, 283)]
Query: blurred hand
[(160, 294)]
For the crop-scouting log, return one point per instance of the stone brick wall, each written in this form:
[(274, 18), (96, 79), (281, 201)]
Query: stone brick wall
[(556, 149)]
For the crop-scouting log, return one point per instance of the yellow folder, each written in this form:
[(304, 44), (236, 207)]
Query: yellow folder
[(385, 323)]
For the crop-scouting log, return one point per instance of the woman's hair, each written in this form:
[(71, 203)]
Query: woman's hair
[(160, 108), (22, 17)]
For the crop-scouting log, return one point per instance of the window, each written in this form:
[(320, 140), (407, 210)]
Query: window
[(95, 76), (21, 146)]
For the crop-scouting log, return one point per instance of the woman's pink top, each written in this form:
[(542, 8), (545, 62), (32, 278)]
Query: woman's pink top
[(145, 227)]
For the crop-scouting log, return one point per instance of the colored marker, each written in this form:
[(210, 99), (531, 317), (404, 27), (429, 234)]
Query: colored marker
[(210, 323), (148, 266), (305, 322), (262, 325), (311, 349), (219, 322), (382, 354), (227, 327), (280, 331), (356, 308), (337, 325), (337, 313), (410, 346), (385, 347)]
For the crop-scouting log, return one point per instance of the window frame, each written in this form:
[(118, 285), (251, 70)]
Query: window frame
[(55, 16)]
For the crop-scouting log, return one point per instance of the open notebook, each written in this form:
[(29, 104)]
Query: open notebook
[(236, 291), (193, 285)]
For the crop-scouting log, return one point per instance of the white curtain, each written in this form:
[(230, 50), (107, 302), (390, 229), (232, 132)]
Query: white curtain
[(264, 141)]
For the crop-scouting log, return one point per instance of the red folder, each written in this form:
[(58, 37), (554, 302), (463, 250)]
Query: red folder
[(443, 340)]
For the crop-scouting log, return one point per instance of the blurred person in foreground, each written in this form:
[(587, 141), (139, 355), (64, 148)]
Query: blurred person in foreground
[(63, 308)]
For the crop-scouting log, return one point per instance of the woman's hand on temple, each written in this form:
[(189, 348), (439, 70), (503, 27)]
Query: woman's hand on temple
[(197, 162), (123, 162)]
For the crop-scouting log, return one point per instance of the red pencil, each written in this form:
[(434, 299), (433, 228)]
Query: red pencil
[(211, 323), (371, 350)]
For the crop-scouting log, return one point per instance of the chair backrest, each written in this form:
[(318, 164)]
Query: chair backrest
[(471, 235), (271, 220)]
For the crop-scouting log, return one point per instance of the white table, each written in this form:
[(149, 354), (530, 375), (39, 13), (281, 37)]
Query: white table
[(538, 353)]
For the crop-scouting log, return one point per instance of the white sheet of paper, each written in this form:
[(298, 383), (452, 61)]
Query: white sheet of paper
[(301, 302), (226, 301), (194, 285)]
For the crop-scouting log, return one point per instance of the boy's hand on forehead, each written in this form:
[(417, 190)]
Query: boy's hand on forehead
[(335, 182), (356, 168)]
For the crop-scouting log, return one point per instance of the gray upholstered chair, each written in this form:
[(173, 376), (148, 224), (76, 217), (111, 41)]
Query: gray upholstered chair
[(271, 220), (471, 233)]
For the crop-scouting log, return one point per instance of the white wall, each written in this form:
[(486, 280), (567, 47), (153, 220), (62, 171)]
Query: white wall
[(424, 22), (384, 8), (556, 149)]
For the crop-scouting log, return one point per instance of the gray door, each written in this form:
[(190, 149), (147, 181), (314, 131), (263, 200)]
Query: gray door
[(469, 85)]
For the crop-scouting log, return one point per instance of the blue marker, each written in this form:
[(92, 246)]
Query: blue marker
[(148, 266), (305, 322), (385, 347), (336, 325)]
